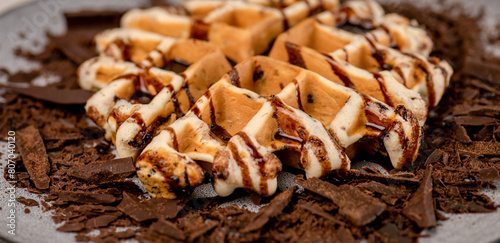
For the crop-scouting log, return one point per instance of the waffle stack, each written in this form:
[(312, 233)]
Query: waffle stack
[(338, 81)]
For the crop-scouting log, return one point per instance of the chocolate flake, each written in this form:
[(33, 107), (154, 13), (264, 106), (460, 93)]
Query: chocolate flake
[(167, 228), (71, 227), (320, 212), (27, 201), (86, 197), (131, 206), (54, 95), (355, 205), (420, 208), (275, 207), (103, 172), (100, 221), (461, 135), (34, 156)]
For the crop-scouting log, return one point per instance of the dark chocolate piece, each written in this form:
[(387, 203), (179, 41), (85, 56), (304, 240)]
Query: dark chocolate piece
[(202, 229), (27, 201), (71, 227), (390, 194), (461, 135), (320, 212), (86, 197), (355, 205), (167, 228), (274, 208), (420, 208), (165, 208), (475, 120), (100, 221), (387, 179), (487, 175), (103, 172), (34, 156), (132, 207), (54, 95)]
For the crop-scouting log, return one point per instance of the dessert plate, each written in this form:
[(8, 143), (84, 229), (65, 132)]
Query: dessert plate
[(35, 20)]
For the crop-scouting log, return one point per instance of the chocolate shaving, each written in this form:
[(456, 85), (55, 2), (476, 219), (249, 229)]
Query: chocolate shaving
[(320, 212), (487, 175), (462, 136), (54, 95), (27, 201), (103, 172), (131, 206), (34, 156), (475, 120), (387, 179), (167, 228), (420, 208), (71, 227), (480, 110), (435, 157), (482, 69), (274, 208), (100, 221), (390, 194), (355, 205), (86, 197)]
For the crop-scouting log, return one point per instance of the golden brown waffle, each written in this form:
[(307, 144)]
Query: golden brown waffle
[(234, 127), (346, 92), (240, 29)]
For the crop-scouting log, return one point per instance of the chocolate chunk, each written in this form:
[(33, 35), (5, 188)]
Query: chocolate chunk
[(320, 212), (345, 235), (461, 135), (103, 172), (71, 227), (475, 120), (487, 175), (34, 156), (86, 197), (420, 208), (27, 201), (202, 229), (482, 69), (166, 208), (480, 148), (129, 233), (167, 228), (100, 221), (435, 157), (72, 50), (274, 208), (387, 179), (482, 110), (131, 206), (54, 95), (355, 205), (390, 194)]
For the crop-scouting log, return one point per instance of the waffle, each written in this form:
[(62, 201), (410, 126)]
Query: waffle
[(239, 29), (264, 106), (136, 96), (392, 50), (323, 95)]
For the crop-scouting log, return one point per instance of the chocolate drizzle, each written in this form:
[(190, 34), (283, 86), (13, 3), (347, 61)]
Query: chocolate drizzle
[(383, 88), (245, 172), (343, 76), (297, 93), (234, 77), (285, 20), (254, 153), (175, 144), (219, 131), (199, 29), (431, 93), (294, 55), (392, 43), (381, 124)]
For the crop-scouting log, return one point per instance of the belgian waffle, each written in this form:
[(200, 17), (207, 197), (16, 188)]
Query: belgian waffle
[(346, 92), (241, 29)]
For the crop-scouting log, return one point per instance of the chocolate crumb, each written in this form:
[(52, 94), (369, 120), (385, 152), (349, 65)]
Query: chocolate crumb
[(27, 201), (34, 156), (103, 172), (420, 208), (355, 205)]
